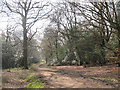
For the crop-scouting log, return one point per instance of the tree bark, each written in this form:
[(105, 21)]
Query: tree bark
[(25, 41), (25, 50)]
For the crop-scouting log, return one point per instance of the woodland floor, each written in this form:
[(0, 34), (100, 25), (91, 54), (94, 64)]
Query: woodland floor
[(65, 77)]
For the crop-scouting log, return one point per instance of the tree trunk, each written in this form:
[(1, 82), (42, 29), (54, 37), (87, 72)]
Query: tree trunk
[(56, 50), (25, 50), (103, 51), (103, 56), (46, 61), (25, 42)]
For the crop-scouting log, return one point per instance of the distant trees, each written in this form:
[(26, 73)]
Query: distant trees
[(88, 31)]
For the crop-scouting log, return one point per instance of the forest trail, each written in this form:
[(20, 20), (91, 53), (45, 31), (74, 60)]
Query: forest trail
[(62, 77), (57, 78)]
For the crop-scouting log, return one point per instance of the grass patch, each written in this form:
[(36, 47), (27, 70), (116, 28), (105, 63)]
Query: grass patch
[(109, 80), (33, 82), (36, 84)]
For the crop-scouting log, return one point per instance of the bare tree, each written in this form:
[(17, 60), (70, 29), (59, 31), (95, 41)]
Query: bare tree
[(102, 16), (29, 12)]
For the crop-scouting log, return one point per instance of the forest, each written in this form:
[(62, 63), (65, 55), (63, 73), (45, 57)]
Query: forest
[(71, 37)]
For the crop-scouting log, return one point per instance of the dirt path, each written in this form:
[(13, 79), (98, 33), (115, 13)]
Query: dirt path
[(60, 79)]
